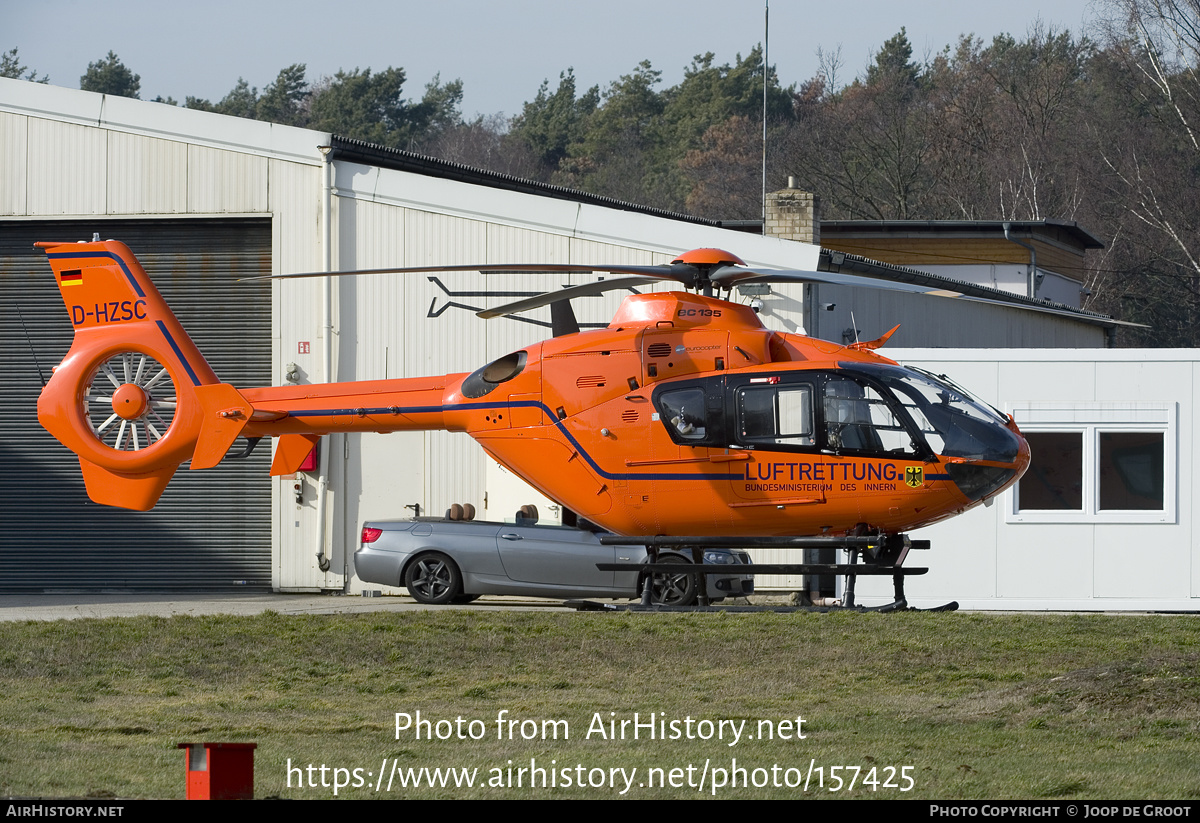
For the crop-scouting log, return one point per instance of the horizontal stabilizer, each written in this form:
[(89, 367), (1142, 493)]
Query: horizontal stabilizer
[(127, 491), (224, 413)]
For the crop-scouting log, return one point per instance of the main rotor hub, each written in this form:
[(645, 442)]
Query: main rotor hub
[(707, 258), (703, 262), (130, 401)]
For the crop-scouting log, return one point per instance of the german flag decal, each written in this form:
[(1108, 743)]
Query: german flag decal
[(71, 278), (912, 476)]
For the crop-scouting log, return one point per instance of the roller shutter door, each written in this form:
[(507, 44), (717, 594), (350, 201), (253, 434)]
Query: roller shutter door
[(211, 530)]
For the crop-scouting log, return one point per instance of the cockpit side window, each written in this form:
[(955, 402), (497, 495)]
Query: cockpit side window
[(858, 418)]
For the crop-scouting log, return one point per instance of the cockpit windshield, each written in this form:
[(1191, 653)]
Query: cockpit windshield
[(952, 422)]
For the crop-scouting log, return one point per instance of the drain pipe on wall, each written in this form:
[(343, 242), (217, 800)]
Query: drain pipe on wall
[(326, 340), (1032, 276)]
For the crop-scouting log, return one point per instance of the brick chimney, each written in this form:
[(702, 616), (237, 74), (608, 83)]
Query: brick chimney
[(794, 214)]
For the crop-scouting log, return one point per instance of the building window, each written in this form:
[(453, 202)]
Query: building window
[(1097, 463), (1131, 471), (1054, 481)]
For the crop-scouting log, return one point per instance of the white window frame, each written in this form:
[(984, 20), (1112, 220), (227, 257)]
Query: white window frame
[(1091, 420)]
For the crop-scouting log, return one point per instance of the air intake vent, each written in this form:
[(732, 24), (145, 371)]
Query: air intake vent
[(590, 381), (659, 350), (629, 415)]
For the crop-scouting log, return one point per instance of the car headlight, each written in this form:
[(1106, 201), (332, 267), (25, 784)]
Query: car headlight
[(720, 558)]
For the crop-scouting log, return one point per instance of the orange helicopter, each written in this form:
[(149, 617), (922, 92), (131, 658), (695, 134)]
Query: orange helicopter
[(685, 421)]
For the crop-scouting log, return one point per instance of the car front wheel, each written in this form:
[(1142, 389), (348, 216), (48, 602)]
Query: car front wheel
[(434, 579), (674, 588)]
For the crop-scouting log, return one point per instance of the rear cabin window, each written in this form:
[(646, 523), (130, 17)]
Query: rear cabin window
[(683, 412), (776, 415)]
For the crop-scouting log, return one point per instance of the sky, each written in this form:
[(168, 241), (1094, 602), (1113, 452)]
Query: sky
[(502, 51)]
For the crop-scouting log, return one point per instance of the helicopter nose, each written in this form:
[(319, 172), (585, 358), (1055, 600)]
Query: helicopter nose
[(979, 481)]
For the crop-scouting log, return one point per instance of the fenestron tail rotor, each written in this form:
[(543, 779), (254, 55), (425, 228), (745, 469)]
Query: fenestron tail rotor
[(130, 402)]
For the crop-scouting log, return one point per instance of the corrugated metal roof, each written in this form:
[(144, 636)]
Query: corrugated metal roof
[(345, 148), (928, 228)]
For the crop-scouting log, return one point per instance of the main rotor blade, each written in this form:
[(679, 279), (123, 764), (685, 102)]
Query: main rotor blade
[(729, 276), (682, 272), (584, 290)]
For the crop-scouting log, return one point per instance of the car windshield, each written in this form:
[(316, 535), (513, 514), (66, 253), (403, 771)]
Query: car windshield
[(952, 422)]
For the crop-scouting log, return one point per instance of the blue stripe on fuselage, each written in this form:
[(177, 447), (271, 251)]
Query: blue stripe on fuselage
[(517, 405)]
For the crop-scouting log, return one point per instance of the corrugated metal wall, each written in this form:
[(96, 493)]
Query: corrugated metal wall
[(211, 529)]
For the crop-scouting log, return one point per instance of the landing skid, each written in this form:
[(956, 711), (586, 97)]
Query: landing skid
[(888, 553), (899, 606)]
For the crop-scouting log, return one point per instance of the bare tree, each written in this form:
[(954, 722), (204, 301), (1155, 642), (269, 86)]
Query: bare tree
[(485, 143), (866, 148), (1152, 58)]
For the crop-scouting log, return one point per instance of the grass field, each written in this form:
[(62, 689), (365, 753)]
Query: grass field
[(957, 705)]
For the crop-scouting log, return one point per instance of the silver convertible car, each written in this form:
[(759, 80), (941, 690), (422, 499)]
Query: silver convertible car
[(455, 561)]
